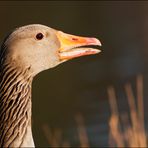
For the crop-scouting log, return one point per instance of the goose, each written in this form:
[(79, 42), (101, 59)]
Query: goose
[(24, 53)]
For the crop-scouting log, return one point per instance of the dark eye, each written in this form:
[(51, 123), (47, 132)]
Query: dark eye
[(39, 36)]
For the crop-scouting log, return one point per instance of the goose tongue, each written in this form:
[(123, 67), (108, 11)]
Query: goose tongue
[(72, 46)]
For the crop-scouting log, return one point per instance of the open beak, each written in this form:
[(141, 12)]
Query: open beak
[(72, 46)]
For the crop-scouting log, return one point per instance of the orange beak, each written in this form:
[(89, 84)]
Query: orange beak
[(72, 46)]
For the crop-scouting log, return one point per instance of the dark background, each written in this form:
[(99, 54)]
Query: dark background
[(80, 85)]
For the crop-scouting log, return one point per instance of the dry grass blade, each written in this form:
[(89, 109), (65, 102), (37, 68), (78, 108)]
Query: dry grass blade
[(82, 131), (115, 129), (53, 139), (112, 100), (142, 139), (132, 105), (47, 133), (140, 99), (137, 130), (132, 133)]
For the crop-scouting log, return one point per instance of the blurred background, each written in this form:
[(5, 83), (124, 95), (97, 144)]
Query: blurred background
[(76, 91)]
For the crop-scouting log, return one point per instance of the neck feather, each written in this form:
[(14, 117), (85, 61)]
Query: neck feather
[(15, 107)]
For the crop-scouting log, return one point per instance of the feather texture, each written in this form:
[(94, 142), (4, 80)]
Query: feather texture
[(15, 107)]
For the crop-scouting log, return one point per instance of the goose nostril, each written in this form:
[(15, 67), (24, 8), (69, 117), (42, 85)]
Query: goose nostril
[(75, 39)]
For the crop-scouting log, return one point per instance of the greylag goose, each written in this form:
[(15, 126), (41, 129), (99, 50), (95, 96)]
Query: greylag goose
[(25, 52)]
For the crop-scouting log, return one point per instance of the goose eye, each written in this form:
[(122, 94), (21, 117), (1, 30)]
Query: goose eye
[(39, 36)]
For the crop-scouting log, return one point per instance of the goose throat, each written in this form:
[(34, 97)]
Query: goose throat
[(15, 108)]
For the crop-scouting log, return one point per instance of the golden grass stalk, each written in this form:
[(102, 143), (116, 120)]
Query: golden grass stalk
[(54, 138), (114, 123), (132, 135), (128, 133), (83, 137)]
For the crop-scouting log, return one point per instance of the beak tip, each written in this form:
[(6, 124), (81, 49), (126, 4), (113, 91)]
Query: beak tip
[(95, 41), (98, 51), (98, 42)]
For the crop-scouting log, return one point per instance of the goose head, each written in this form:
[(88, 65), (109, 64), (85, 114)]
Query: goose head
[(37, 47)]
